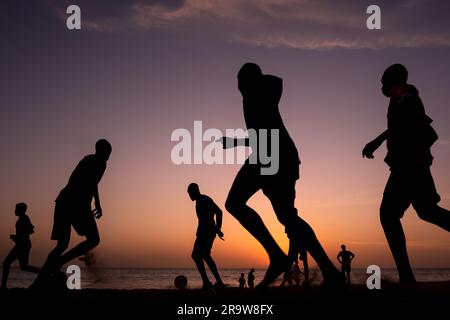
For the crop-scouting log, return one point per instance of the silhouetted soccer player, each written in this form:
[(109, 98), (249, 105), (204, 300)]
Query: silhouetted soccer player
[(261, 94), (22, 247), (73, 209), (409, 137), (207, 230), (241, 281), (251, 278), (345, 258)]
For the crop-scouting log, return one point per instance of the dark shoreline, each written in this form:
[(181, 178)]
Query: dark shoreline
[(429, 297)]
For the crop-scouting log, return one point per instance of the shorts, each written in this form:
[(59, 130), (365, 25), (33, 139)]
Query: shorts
[(279, 188), (346, 268), (203, 245), (402, 190), (66, 216)]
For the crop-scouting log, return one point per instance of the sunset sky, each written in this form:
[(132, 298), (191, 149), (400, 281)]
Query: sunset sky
[(137, 70)]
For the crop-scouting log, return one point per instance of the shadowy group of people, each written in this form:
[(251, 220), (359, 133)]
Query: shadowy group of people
[(250, 282), (409, 137), (72, 209)]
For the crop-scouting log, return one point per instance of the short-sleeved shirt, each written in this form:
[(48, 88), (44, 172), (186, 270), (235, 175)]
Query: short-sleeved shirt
[(261, 111), (206, 209), (23, 230), (83, 182), (410, 135)]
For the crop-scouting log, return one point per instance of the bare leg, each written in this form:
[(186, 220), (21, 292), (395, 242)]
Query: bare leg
[(397, 243), (201, 268), (306, 271), (31, 269), (92, 240), (253, 223), (23, 261), (315, 249), (79, 250), (245, 185), (212, 266), (435, 215), (12, 256), (54, 257)]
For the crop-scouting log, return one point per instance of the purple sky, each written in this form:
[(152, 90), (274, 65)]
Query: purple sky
[(137, 70)]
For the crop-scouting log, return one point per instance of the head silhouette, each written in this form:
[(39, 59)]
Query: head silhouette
[(103, 149), (392, 76), (253, 270), (21, 208), (343, 247), (249, 74), (194, 191)]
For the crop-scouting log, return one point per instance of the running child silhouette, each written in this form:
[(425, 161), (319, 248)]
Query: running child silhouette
[(22, 246), (409, 137)]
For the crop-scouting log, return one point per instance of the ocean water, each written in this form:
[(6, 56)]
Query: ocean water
[(150, 278)]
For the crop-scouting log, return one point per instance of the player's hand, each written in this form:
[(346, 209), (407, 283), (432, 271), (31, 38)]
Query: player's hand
[(226, 142), (98, 212), (369, 149), (220, 234)]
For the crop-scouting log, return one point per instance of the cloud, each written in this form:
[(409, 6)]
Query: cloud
[(342, 42), (299, 24)]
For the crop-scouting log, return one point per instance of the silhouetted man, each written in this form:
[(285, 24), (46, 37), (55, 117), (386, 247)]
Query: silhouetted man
[(345, 258), (22, 247), (241, 281), (207, 230), (73, 209), (251, 278), (409, 137), (261, 94)]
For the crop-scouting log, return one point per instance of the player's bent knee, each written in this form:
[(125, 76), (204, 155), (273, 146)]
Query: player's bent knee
[(387, 218), (93, 242), (426, 214), (62, 246), (23, 267), (234, 206), (231, 205)]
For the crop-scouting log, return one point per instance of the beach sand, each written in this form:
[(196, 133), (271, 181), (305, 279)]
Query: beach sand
[(350, 302)]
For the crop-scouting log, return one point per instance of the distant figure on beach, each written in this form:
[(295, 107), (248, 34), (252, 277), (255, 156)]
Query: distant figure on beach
[(251, 278), (207, 230), (261, 94), (22, 244), (73, 209), (296, 252), (296, 273), (409, 137), (345, 258), (241, 281)]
